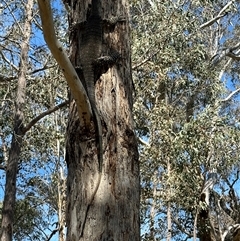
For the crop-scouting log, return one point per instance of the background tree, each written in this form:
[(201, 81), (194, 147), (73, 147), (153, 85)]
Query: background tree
[(185, 68), (34, 147), (184, 113)]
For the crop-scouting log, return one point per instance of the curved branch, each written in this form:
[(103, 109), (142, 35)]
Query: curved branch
[(141, 141), (39, 117), (227, 52), (220, 15), (210, 22), (53, 233), (77, 89), (42, 69), (231, 95), (145, 60)]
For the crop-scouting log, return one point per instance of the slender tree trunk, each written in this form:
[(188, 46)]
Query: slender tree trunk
[(153, 207), (114, 213), (61, 196), (61, 204), (169, 222), (169, 214), (61, 186), (12, 164)]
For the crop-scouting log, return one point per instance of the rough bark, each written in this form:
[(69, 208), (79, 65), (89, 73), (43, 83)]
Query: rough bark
[(114, 213), (12, 164), (205, 231)]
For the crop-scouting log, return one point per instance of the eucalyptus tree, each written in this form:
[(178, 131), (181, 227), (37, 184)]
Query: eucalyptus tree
[(186, 117), (28, 140), (107, 207)]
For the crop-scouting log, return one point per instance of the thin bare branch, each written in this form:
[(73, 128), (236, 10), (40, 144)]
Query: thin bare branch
[(8, 61), (43, 68), (227, 52), (231, 95), (233, 56), (53, 233), (145, 60), (210, 22), (16, 21), (223, 69), (226, 6), (180, 226), (220, 15), (143, 142), (48, 112)]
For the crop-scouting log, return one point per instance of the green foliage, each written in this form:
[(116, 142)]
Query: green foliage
[(27, 221), (187, 127), (42, 154)]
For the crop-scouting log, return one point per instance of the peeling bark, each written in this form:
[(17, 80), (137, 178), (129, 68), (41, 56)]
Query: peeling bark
[(114, 213)]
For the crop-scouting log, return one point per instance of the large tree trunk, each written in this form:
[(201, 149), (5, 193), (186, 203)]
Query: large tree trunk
[(205, 230), (12, 164), (114, 213)]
